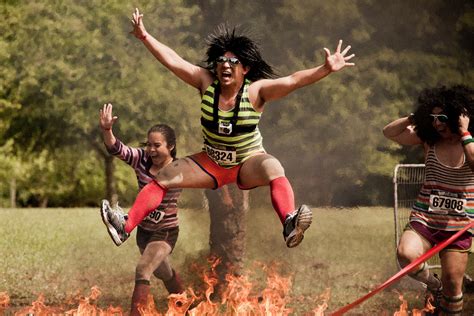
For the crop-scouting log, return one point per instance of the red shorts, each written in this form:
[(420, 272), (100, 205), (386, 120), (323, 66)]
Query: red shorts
[(219, 174)]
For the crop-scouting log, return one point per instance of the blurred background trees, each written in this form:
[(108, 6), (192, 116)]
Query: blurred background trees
[(62, 60)]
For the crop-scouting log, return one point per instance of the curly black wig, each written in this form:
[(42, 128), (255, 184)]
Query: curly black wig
[(454, 101), (226, 39)]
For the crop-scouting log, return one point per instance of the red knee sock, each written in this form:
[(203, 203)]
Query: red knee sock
[(147, 200), (283, 200), (174, 285), (139, 296)]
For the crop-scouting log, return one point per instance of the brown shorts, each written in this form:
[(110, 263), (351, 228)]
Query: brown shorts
[(170, 236)]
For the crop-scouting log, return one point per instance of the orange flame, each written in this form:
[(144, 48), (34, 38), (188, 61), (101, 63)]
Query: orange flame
[(325, 296), (238, 298), (4, 302)]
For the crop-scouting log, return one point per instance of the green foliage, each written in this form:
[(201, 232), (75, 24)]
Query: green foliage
[(61, 60)]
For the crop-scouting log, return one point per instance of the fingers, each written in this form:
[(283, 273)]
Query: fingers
[(346, 50), (328, 53), (339, 45)]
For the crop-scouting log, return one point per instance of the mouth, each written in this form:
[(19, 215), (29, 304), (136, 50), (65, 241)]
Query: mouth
[(226, 74)]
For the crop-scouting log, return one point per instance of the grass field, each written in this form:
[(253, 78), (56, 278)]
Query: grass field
[(63, 252)]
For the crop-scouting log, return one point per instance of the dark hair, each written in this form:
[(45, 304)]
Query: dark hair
[(226, 39), (454, 101), (169, 135)]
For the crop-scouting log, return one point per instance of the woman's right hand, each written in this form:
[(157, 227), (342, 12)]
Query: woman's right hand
[(138, 27), (106, 120)]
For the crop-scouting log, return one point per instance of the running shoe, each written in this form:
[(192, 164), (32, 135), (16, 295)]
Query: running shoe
[(114, 219), (433, 298), (295, 225)]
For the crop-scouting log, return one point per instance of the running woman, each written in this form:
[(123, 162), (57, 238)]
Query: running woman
[(445, 203), (158, 232), (235, 87)]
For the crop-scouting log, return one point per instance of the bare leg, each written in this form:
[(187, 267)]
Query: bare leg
[(182, 173), (152, 257), (453, 265), (265, 169), (410, 247)]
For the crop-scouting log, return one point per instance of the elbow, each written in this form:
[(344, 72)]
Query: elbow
[(385, 132)]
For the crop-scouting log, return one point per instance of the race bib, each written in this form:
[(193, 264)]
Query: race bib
[(155, 216), (223, 157), (446, 203)]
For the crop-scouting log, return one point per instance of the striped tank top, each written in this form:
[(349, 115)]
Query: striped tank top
[(165, 216), (446, 198), (230, 138)]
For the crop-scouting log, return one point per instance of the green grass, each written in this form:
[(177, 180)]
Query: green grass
[(64, 252)]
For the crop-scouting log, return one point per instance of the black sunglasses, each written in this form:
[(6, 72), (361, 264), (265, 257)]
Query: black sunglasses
[(443, 118), (232, 60)]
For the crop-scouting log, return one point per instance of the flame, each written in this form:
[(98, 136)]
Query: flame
[(325, 296), (239, 298), (85, 307), (4, 302)]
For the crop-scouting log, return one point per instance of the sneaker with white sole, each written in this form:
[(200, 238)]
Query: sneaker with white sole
[(295, 225), (114, 219)]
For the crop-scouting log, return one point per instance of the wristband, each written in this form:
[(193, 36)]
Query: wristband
[(143, 37), (466, 134), (106, 129), (411, 117), (467, 141)]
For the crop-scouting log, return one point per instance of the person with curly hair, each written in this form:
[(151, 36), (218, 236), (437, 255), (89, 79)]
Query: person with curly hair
[(235, 86), (445, 204)]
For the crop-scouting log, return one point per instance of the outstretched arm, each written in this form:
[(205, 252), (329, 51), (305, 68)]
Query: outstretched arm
[(193, 75), (272, 89), (106, 121), (402, 131)]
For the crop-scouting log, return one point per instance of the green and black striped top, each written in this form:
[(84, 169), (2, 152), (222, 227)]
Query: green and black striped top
[(245, 138)]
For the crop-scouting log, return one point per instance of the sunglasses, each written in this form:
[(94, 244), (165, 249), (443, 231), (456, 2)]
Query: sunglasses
[(443, 118), (232, 60)]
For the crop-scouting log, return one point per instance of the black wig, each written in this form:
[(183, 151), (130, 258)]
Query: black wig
[(226, 39), (454, 101)]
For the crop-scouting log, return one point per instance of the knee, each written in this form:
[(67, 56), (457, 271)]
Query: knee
[(143, 272), (273, 168), (405, 255)]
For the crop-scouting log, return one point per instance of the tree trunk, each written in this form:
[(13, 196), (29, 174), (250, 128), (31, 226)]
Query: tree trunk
[(13, 193), (110, 187), (228, 207)]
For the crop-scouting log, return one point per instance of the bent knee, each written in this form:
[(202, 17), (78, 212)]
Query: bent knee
[(143, 271), (405, 255)]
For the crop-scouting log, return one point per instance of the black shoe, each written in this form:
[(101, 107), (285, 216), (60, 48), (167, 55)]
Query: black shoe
[(295, 225), (114, 220)]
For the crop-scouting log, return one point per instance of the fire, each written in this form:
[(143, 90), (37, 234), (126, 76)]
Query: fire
[(240, 297), (403, 311), (4, 302), (85, 307)]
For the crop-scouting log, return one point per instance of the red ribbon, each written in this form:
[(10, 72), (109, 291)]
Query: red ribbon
[(404, 271)]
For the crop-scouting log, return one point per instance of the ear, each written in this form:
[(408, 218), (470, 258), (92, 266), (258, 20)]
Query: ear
[(246, 69)]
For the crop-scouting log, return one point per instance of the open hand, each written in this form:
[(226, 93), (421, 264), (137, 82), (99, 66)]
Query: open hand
[(106, 119), (338, 60), (137, 23)]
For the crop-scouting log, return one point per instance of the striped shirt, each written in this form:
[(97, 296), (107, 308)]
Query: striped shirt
[(166, 214), (246, 143), (446, 198)]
